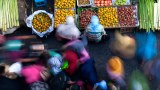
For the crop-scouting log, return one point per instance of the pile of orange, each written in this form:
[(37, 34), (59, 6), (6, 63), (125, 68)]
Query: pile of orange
[(108, 17), (65, 3), (41, 22), (61, 14)]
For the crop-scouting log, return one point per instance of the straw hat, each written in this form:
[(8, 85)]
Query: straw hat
[(115, 65)]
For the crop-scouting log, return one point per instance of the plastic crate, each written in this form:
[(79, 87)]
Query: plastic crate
[(83, 5), (134, 17), (64, 3), (80, 11), (128, 2), (99, 3), (63, 19)]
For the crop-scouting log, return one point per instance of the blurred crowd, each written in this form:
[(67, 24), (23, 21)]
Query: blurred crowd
[(27, 64)]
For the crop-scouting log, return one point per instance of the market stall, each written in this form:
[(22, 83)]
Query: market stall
[(112, 13)]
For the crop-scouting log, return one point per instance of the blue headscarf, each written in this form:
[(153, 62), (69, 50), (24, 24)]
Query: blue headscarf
[(95, 26)]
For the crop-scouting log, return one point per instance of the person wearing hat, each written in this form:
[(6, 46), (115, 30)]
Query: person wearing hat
[(138, 81), (115, 70)]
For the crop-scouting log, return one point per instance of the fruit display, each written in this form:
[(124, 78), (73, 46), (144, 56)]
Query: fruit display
[(121, 2), (102, 2), (61, 14), (108, 17), (85, 17), (65, 3), (83, 2), (41, 22), (127, 16)]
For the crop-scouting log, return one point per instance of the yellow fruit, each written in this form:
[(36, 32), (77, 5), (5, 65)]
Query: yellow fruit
[(61, 14), (108, 17), (65, 3), (41, 22)]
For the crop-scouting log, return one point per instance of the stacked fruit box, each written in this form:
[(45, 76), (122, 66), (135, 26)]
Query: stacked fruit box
[(83, 3), (102, 3), (63, 8), (108, 17), (128, 16), (121, 2), (85, 16)]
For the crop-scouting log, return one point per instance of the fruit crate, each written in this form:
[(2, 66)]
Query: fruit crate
[(128, 16), (64, 4), (83, 3), (61, 14), (83, 20), (121, 2), (108, 17), (101, 3)]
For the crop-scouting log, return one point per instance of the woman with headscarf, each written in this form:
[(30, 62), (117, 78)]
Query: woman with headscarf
[(95, 30)]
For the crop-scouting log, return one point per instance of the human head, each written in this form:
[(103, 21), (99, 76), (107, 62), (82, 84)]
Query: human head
[(115, 65), (69, 20), (94, 20)]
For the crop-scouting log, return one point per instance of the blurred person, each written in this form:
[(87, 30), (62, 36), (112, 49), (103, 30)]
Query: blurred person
[(146, 46), (39, 85), (89, 73), (19, 47), (55, 62), (123, 46), (138, 81), (113, 87), (73, 62), (152, 71), (36, 70), (15, 70), (7, 83), (15, 49), (115, 70), (78, 46), (95, 30), (102, 85), (68, 31)]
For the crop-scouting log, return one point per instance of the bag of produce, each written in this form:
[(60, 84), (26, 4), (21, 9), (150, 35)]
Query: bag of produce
[(41, 22)]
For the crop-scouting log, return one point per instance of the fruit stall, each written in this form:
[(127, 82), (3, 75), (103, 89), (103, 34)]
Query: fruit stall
[(112, 14)]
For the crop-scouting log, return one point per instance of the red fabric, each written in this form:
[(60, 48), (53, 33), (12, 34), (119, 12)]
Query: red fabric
[(72, 59), (88, 87)]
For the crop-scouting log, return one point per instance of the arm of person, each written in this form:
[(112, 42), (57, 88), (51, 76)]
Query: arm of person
[(68, 44), (85, 56)]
